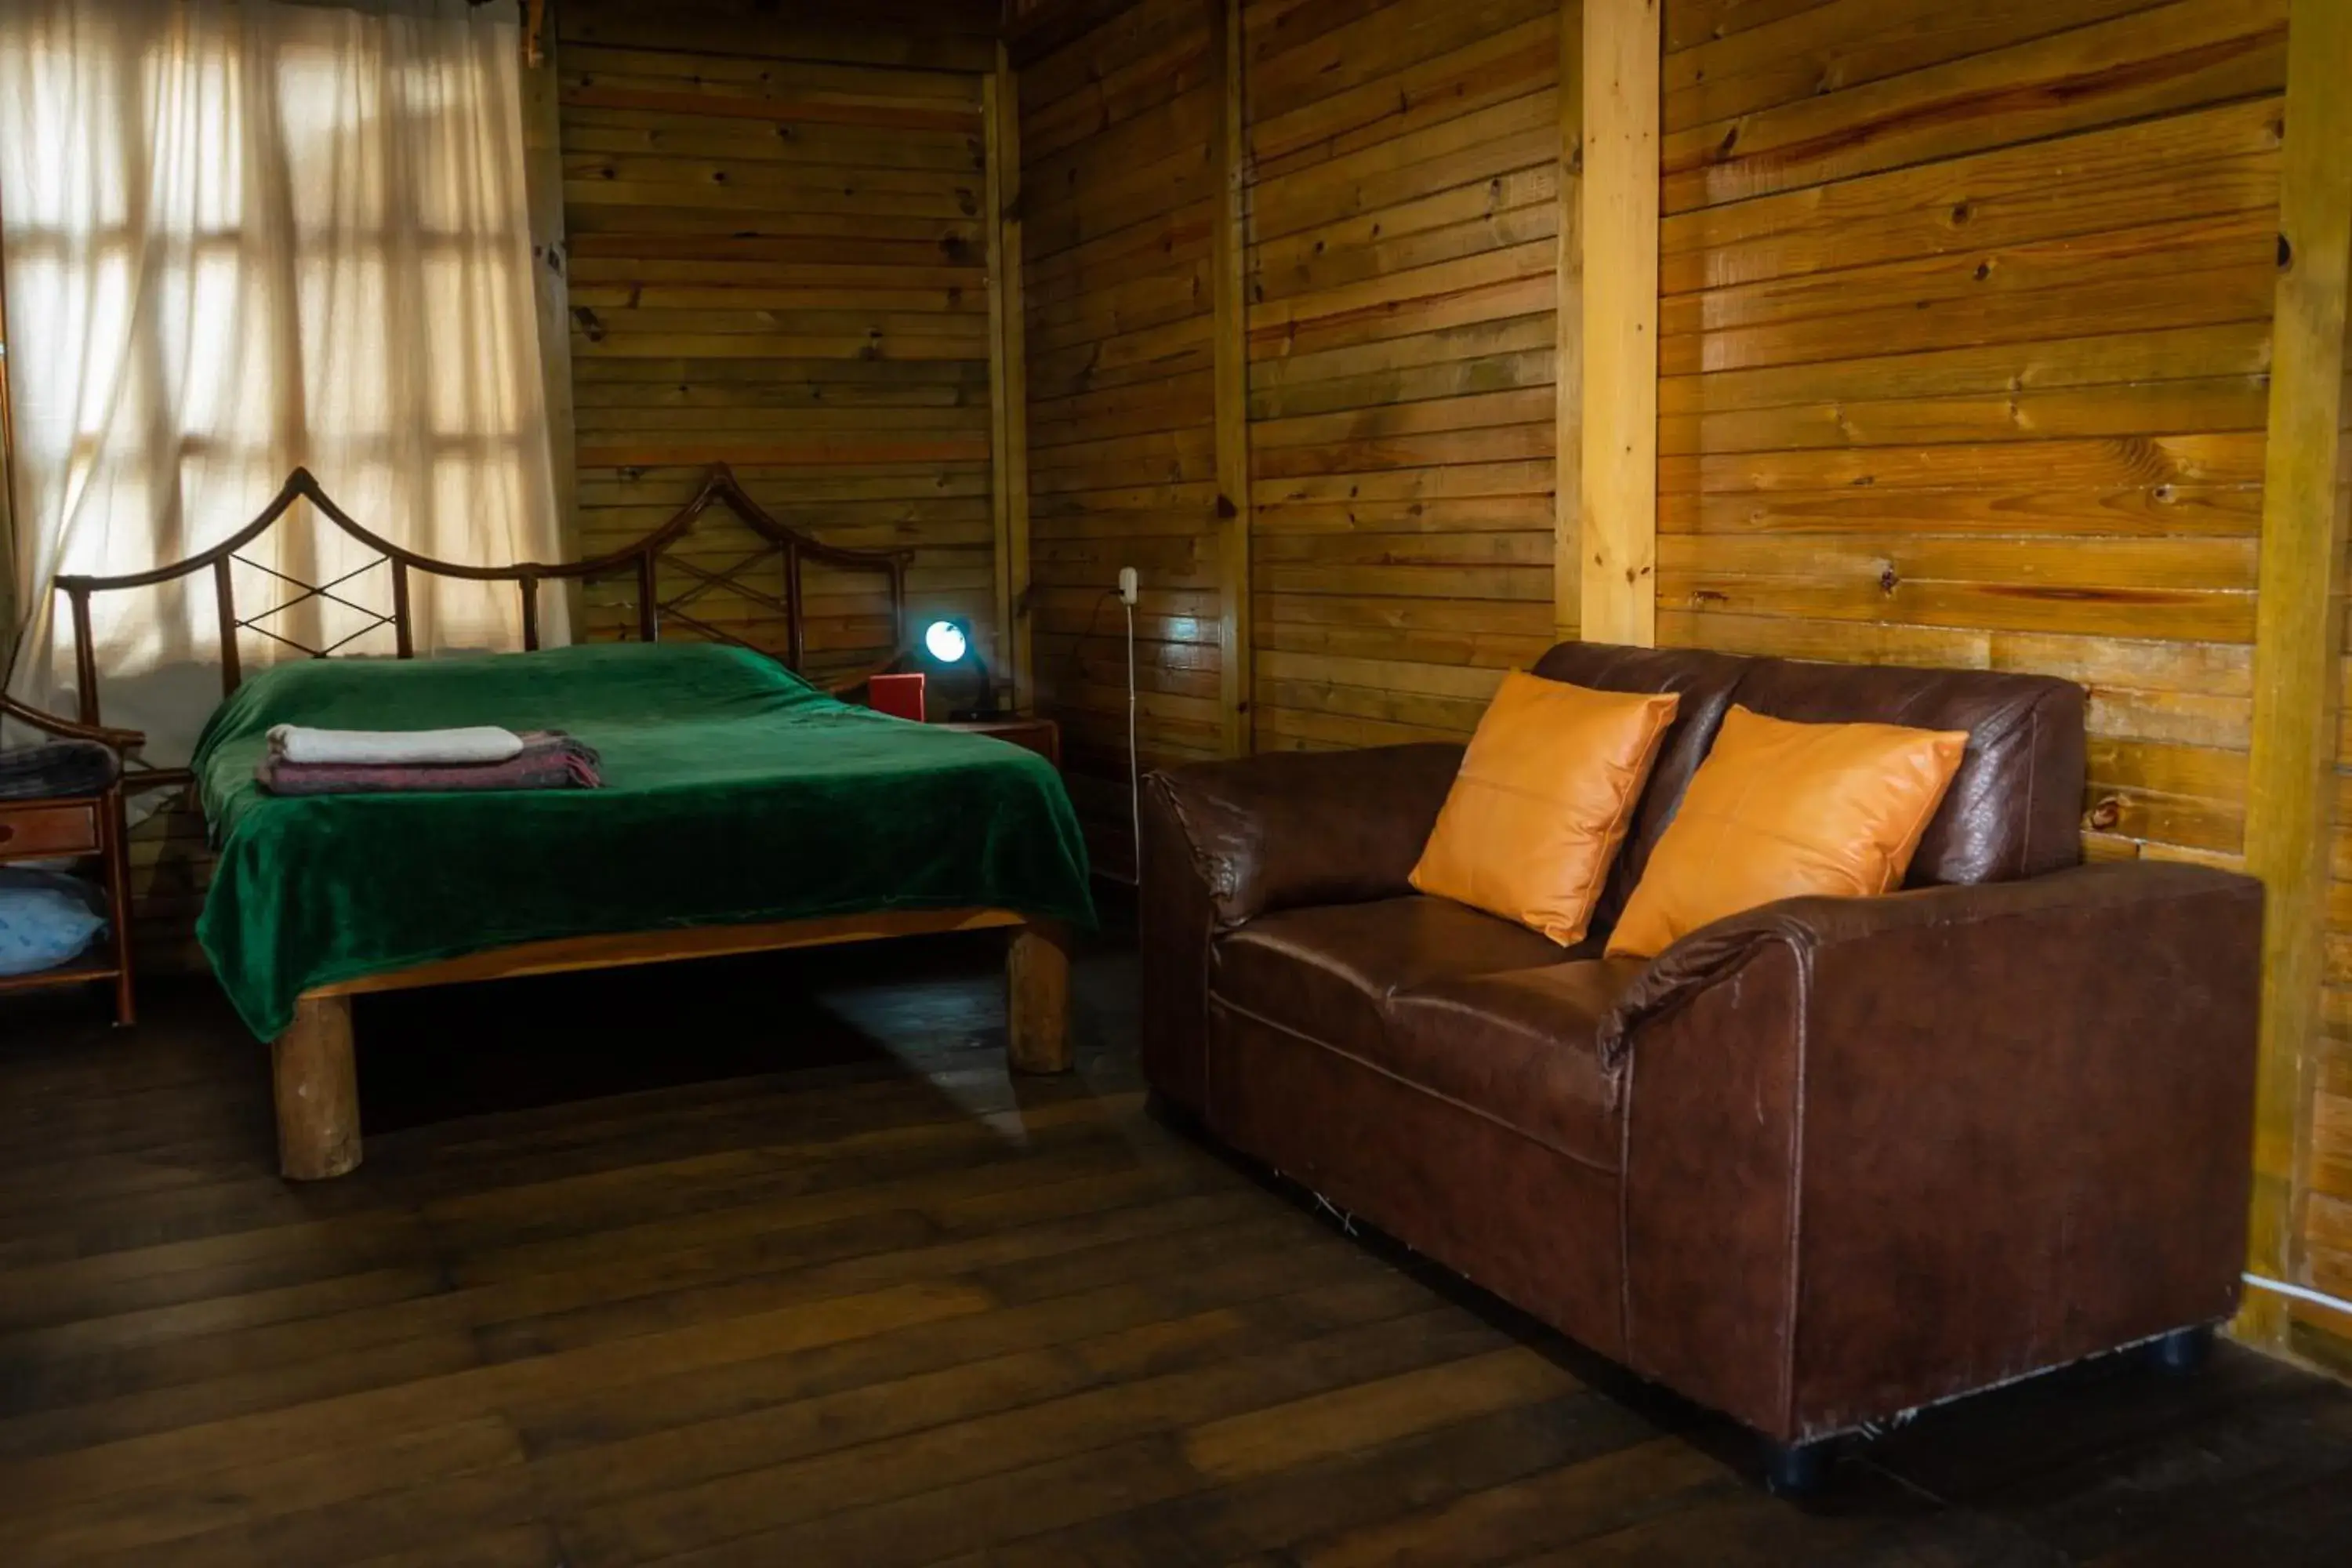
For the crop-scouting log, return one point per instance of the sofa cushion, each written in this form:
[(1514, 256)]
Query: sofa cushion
[(1325, 973), (1518, 1048), (1547, 789), (1782, 810), (1704, 681), (2015, 806)]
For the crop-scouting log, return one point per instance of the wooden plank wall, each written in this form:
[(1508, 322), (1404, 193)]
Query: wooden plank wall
[(1119, 194), (2328, 1217), (1964, 352), (778, 262), (1962, 360), (1400, 201), (1404, 215)]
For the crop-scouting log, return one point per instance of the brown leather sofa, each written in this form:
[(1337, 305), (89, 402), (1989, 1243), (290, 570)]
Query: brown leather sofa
[(1814, 1165)]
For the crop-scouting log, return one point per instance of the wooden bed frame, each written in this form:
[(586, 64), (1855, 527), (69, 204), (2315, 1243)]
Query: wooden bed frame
[(316, 1080)]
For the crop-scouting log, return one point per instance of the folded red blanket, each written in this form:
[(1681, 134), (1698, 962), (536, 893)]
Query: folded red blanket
[(549, 759)]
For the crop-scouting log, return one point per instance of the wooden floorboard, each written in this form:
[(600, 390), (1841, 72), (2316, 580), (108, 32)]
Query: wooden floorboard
[(770, 1261)]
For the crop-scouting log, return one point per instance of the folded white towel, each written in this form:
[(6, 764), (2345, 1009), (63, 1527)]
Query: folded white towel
[(394, 748)]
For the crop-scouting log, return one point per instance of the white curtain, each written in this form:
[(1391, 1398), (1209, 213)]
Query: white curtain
[(241, 236)]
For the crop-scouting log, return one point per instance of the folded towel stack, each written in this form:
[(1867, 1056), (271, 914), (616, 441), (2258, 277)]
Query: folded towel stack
[(394, 748), (379, 762)]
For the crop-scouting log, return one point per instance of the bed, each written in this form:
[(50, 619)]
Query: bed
[(744, 810)]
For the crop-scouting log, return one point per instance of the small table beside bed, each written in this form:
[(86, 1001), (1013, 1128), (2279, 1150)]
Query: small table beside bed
[(742, 809)]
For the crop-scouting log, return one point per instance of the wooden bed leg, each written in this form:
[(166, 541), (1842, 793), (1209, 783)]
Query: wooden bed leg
[(318, 1091), (1038, 998)]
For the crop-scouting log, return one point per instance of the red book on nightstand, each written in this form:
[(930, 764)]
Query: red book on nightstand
[(900, 696)]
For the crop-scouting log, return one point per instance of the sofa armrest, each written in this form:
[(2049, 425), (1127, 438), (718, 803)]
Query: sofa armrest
[(1881, 1152), (1224, 843), (1807, 926), (1288, 829)]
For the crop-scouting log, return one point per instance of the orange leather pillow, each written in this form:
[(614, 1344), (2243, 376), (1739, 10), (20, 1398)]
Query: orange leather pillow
[(1779, 810), (1542, 801)]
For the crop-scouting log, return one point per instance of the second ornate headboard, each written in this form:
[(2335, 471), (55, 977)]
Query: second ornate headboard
[(781, 545)]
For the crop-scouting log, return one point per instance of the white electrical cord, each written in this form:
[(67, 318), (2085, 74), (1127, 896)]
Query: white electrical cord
[(2300, 1292), (1134, 761)]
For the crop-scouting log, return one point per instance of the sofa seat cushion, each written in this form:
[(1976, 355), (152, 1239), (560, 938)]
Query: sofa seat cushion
[(1325, 973), (1520, 1048)]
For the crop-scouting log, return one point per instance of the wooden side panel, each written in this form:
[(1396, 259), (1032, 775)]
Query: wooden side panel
[(779, 261), (1229, 323), (2326, 1132), (1963, 342), (1008, 394), (1404, 267), (1119, 197), (2326, 1220)]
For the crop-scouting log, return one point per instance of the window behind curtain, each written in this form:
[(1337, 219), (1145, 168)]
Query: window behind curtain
[(241, 236)]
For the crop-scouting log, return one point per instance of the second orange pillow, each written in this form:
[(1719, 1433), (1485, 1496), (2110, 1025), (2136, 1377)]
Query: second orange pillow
[(1779, 810), (1542, 801)]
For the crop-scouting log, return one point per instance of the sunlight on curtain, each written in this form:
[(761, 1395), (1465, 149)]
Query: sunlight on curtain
[(241, 236)]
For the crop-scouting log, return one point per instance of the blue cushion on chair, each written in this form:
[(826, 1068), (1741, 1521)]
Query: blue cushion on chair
[(46, 920)]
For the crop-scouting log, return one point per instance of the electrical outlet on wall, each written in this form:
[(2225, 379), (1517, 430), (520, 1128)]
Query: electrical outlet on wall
[(1129, 586)]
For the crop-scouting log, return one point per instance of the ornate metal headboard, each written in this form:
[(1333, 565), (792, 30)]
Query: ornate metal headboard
[(644, 559)]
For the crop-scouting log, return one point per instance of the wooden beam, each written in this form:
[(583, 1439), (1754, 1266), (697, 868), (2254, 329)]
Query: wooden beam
[(2298, 631), (1229, 264), (1568, 364), (1008, 385), (1619, 516), (626, 950), (317, 1087), (1042, 29)]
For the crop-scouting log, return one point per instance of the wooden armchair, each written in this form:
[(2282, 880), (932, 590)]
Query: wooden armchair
[(81, 824)]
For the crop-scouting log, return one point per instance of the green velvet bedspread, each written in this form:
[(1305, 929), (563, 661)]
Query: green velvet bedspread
[(735, 794)]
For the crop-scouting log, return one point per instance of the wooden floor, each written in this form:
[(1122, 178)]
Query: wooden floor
[(767, 1262)]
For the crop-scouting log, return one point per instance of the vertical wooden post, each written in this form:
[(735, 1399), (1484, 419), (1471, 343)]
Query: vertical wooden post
[(84, 655), (1228, 264), (225, 606), (2298, 630), (1008, 381), (649, 599), (318, 1091), (116, 827), (796, 612), (403, 630), (1619, 518), (527, 588), (1568, 358)]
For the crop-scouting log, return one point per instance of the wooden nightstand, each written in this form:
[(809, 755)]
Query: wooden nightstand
[(1043, 736), (87, 827)]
